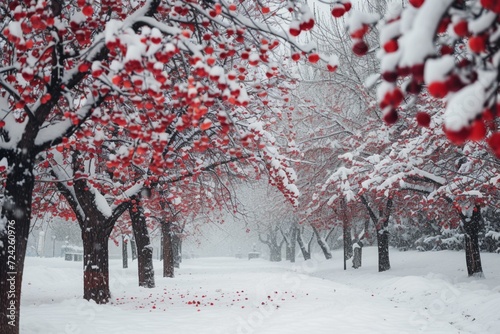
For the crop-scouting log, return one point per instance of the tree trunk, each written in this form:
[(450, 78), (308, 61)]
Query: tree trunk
[(133, 248), (357, 254), (16, 214), (176, 249), (383, 250), (472, 254), (300, 241), (124, 252), (168, 254), (293, 242), (144, 247), (346, 234), (275, 253), (288, 252), (322, 244), (95, 265)]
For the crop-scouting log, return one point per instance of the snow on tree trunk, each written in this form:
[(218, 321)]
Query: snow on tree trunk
[(14, 231), (144, 248), (96, 265), (176, 249), (168, 254), (357, 254), (471, 227)]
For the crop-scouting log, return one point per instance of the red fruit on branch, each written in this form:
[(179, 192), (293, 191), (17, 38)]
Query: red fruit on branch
[(438, 89), (313, 58), (477, 44), (296, 56), (338, 10), (391, 117), (457, 137), (360, 48), (391, 46), (294, 32), (494, 143), (423, 119), (417, 3), (478, 130), (461, 28)]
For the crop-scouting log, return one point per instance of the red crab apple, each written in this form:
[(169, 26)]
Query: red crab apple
[(423, 119)]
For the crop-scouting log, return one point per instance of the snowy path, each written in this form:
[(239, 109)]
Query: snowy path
[(231, 296)]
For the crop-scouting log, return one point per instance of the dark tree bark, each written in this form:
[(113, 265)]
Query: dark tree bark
[(383, 250), (124, 252), (16, 214), (133, 249), (471, 227), (305, 251), (96, 266), (144, 247), (322, 244), (168, 254), (293, 243), (381, 223), (346, 233)]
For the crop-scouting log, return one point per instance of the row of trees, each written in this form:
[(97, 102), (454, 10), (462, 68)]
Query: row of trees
[(144, 108)]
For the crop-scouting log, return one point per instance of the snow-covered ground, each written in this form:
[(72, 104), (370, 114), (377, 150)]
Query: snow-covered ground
[(423, 293)]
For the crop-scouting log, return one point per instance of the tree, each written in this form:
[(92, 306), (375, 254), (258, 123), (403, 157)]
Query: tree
[(448, 47), (66, 63)]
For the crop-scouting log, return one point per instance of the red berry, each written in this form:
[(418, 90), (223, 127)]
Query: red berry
[(438, 89), (88, 10), (477, 44), (390, 76), (461, 28), (391, 46), (360, 48), (492, 5), (416, 3), (338, 10), (396, 97), (494, 143), (478, 131), (457, 137), (391, 117), (443, 25), (347, 6), (417, 71), (313, 58), (361, 32), (423, 119), (296, 56), (453, 83), (294, 32), (331, 68), (446, 50), (413, 88)]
